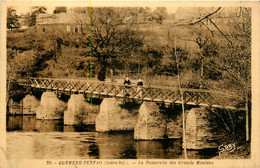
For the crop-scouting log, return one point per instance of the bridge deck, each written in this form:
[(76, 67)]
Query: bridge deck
[(197, 97)]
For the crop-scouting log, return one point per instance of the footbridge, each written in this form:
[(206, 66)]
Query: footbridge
[(142, 113), (197, 97)]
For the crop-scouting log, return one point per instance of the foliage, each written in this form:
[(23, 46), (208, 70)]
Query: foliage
[(112, 37), (123, 45), (236, 59), (159, 15), (12, 19), (35, 11)]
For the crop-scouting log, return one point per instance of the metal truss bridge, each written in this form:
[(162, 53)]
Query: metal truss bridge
[(197, 97)]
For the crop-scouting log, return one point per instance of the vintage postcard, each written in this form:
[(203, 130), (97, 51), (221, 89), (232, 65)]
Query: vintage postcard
[(129, 84)]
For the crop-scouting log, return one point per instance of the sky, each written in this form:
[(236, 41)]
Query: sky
[(23, 9)]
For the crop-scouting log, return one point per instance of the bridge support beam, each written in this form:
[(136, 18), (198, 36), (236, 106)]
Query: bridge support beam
[(151, 123), (200, 131), (51, 107), (79, 111), (112, 117), (30, 104)]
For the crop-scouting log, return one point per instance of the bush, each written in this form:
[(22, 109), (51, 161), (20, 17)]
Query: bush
[(189, 79)]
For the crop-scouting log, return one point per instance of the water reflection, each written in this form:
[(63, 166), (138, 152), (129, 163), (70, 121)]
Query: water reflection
[(156, 149), (115, 145), (14, 123), (93, 150), (49, 125), (28, 138), (202, 154), (29, 123)]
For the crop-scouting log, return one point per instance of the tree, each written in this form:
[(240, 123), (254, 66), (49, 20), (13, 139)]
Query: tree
[(12, 19), (18, 65), (232, 56), (112, 36), (35, 11), (203, 41), (200, 33), (159, 15), (236, 57)]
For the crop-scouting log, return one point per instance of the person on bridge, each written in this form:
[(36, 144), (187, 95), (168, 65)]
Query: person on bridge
[(127, 81), (140, 82), (139, 89)]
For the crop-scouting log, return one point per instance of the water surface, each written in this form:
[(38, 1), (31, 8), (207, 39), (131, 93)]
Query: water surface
[(28, 138)]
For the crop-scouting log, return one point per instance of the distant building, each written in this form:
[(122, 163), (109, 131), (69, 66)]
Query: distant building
[(60, 9), (62, 21)]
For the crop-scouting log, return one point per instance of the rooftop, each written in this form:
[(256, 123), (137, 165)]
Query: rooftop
[(62, 18)]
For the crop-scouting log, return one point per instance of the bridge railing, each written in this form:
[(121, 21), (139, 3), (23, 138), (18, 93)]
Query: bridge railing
[(198, 97)]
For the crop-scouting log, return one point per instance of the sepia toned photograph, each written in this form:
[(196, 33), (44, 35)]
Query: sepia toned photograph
[(162, 83)]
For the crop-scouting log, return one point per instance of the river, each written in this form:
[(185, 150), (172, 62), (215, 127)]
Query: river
[(29, 138)]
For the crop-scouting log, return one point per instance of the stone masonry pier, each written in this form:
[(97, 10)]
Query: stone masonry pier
[(30, 104), (112, 117), (79, 111), (151, 123), (201, 131), (51, 107)]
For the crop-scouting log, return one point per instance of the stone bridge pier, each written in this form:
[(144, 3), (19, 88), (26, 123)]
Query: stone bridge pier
[(114, 117), (147, 121), (50, 107), (152, 123), (202, 130), (27, 105), (79, 111), (30, 104)]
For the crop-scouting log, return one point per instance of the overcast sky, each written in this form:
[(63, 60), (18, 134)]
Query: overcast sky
[(25, 8)]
